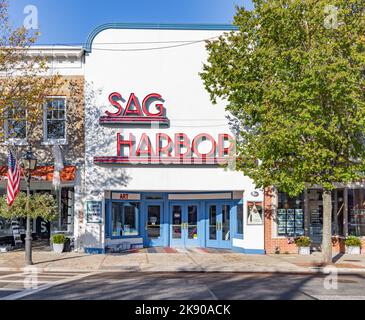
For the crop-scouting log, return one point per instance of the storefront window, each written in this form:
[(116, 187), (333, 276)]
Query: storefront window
[(356, 210), (239, 218), (5, 228), (290, 216), (338, 206), (125, 219), (254, 213), (67, 209)]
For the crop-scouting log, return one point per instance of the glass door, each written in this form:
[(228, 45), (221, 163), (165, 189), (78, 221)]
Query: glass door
[(192, 225), (219, 225), (184, 224), (154, 225), (177, 238), (225, 226), (212, 226), (315, 207)]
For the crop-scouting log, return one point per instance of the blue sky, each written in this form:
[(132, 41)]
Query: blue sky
[(70, 21)]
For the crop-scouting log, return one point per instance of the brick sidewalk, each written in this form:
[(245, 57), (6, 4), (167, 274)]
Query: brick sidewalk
[(179, 260)]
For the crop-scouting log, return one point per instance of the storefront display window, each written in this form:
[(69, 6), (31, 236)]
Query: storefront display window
[(356, 219), (67, 209), (125, 219), (338, 209), (290, 216), (254, 213), (239, 230), (5, 228)]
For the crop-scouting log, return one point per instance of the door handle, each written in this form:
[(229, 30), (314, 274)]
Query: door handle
[(146, 227)]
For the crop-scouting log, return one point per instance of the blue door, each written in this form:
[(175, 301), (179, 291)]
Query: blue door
[(154, 224), (184, 224), (219, 225)]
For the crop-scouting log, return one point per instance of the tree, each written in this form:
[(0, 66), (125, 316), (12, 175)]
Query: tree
[(40, 206), (294, 78), (25, 81)]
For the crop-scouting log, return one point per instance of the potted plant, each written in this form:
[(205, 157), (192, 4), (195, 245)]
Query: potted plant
[(58, 243), (353, 245), (303, 244)]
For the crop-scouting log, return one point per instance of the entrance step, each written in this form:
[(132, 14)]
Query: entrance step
[(123, 247)]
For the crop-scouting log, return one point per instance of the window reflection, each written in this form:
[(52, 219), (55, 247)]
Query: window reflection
[(154, 222), (15, 122), (125, 219), (356, 221), (56, 119), (177, 222)]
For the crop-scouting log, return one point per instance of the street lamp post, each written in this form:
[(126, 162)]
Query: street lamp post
[(29, 163)]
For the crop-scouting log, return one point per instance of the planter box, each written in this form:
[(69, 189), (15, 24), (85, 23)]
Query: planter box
[(4, 249), (58, 248), (353, 250), (304, 251)]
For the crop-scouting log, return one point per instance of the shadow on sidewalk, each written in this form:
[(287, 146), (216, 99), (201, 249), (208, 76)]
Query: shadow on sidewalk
[(60, 259)]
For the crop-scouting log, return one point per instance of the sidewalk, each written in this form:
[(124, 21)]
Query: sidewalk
[(181, 261)]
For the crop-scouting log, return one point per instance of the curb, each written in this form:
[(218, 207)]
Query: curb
[(309, 271)]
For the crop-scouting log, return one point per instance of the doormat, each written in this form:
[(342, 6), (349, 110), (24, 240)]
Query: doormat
[(181, 250)]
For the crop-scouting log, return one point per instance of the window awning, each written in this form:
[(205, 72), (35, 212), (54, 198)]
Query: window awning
[(45, 173)]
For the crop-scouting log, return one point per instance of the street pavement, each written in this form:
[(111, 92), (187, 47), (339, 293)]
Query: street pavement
[(188, 286), (14, 285)]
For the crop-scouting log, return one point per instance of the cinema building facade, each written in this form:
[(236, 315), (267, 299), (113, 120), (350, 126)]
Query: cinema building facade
[(156, 149)]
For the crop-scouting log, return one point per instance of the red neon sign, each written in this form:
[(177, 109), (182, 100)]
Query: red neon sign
[(177, 149), (134, 112), (167, 150)]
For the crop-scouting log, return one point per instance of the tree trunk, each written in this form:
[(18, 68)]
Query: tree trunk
[(327, 227)]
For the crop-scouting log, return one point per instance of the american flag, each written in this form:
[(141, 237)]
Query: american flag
[(13, 179)]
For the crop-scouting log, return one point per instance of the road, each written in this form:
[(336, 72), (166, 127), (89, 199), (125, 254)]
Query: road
[(179, 286)]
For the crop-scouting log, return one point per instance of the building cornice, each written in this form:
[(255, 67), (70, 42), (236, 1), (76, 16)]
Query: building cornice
[(155, 26)]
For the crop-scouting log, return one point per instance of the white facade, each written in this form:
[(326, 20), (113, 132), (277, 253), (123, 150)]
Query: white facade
[(165, 61)]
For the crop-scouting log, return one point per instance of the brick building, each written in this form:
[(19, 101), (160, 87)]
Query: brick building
[(59, 134)]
